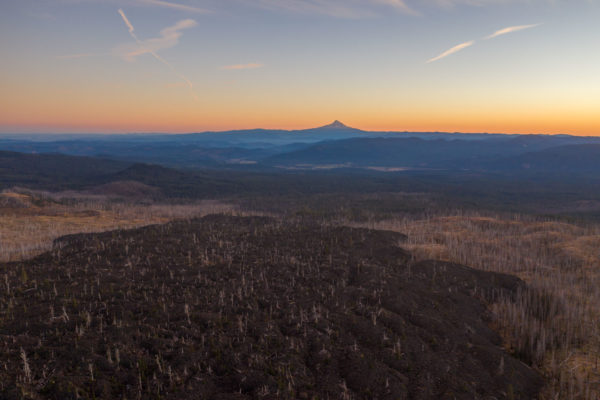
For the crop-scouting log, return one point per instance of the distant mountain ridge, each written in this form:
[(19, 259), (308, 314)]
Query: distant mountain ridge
[(272, 137), (335, 145)]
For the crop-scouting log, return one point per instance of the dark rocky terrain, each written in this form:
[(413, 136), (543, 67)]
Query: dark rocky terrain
[(251, 308)]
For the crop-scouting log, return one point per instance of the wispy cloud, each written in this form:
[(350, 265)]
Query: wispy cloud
[(169, 37), (399, 5), (451, 51), (336, 8), (372, 8), (176, 6), (242, 66), (129, 26), (511, 29), (500, 32), (473, 3)]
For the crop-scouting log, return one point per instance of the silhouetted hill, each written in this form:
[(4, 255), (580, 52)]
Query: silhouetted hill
[(57, 172), (180, 184), (266, 137), (247, 308), (53, 170), (570, 159), (170, 153)]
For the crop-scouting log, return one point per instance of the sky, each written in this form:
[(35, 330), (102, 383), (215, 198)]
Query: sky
[(115, 66)]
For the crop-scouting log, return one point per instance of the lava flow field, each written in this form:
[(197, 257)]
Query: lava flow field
[(251, 308)]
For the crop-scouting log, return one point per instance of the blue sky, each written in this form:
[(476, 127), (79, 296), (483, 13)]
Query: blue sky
[(180, 66)]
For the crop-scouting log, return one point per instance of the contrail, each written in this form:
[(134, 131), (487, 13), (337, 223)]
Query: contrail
[(511, 29), (155, 55), (242, 66), (129, 26), (453, 50)]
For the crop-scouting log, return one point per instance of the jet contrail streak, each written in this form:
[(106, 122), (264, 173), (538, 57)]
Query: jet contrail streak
[(156, 56)]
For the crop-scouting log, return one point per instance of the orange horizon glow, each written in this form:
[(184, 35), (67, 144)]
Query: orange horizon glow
[(176, 121), (180, 114), (98, 108)]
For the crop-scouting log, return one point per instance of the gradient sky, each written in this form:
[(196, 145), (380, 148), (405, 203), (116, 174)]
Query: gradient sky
[(515, 66)]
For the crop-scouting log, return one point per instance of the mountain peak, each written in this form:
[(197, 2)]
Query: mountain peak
[(336, 125)]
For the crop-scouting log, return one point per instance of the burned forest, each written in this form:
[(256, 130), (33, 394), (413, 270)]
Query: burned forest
[(226, 307)]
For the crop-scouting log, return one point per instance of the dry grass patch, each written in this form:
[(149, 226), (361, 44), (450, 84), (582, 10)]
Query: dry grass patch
[(555, 325), (29, 223)]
